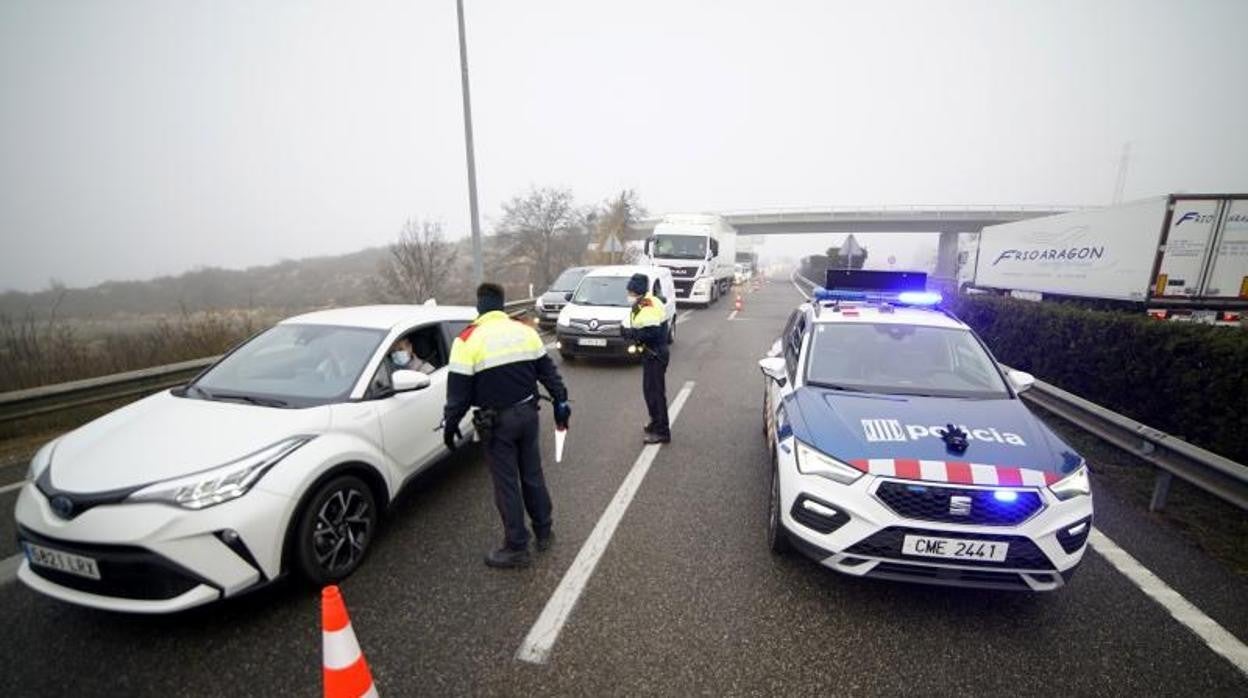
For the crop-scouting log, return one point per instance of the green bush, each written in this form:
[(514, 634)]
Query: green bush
[(1188, 380)]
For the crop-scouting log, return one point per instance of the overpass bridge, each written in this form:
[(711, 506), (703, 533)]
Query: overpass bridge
[(948, 221)]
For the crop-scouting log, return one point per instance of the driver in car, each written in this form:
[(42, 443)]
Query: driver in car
[(404, 356)]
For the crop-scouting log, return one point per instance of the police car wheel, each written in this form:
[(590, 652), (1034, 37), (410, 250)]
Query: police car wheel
[(777, 539), (334, 530)]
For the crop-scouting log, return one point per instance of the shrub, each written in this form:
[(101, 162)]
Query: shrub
[(1185, 379)]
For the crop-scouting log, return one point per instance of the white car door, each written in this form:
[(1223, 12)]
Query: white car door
[(409, 421)]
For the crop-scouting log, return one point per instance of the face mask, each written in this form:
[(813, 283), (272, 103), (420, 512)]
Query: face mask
[(633, 299), (400, 357)]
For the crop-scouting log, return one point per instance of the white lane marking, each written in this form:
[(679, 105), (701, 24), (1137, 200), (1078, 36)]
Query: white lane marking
[(8, 568), (542, 636), (733, 315), (683, 316), (14, 486), (1215, 636), (800, 292)]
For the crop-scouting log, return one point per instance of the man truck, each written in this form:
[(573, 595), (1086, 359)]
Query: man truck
[(1180, 256), (701, 251)]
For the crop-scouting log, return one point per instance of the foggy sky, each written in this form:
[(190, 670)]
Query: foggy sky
[(145, 137)]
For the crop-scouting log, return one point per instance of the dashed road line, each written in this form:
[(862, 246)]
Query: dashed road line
[(1219, 639), (542, 636), (733, 315), (8, 568), (14, 486)]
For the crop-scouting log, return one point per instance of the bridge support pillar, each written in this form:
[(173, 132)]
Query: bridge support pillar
[(947, 260)]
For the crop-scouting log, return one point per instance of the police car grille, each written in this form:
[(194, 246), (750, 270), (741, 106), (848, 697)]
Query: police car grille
[(1023, 554), (943, 575), (932, 503)]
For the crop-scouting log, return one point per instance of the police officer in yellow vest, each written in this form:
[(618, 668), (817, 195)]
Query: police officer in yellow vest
[(495, 365), (648, 321)]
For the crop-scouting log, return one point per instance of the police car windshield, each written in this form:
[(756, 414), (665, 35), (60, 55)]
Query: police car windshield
[(602, 290), (902, 360)]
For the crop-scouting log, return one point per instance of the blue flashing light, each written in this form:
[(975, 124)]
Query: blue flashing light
[(836, 294), (919, 298), (1005, 495)]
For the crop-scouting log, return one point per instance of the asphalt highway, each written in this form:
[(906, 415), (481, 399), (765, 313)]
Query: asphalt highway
[(684, 599)]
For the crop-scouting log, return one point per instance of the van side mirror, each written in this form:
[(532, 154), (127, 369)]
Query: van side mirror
[(773, 367), (406, 381), (568, 296), (1021, 380)]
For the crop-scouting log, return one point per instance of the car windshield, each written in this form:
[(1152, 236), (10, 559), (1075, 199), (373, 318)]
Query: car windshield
[(902, 360), (568, 280), (680, 246), (291, 365), (602, 290)]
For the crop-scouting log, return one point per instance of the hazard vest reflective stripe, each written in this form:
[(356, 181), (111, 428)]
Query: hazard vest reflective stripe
[(649, 312), (493, 340)]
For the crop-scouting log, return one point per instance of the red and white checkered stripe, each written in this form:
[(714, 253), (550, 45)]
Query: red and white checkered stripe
[(955, 472)]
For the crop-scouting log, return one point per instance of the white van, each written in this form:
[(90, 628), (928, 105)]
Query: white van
[(590, 324)]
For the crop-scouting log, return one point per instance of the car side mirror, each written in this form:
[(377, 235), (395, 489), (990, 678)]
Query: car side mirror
[(1021, 380), (773, 367), (406, 381), (567, 297)]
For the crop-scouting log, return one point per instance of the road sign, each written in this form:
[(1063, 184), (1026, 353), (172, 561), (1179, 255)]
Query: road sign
[(850, 248), (612, 244)]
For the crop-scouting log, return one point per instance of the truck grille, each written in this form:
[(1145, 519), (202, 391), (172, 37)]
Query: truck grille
[(932, 503)]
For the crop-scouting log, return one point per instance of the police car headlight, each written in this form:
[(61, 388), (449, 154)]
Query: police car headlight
[(230, 481), (1077, 484), (813, 462)]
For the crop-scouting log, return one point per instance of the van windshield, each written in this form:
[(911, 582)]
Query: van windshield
[(602, 290)]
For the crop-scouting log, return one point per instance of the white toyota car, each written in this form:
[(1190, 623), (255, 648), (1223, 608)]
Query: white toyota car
[(901, 450), (278, 458)]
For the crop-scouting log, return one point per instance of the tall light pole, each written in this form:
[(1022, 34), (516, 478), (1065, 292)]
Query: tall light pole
[(478, 273)]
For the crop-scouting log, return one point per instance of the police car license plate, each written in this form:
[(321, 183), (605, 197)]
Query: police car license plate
[(62, 561), (592, 342), (955, 548)]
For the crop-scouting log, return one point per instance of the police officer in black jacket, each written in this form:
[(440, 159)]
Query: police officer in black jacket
[(495, 365)]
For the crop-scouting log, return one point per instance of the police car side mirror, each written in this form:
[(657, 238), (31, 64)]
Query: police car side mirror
[(1021, 380), (773, 367), (406, 381)]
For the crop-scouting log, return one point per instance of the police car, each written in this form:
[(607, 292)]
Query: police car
[(279, 458), (901, 450)]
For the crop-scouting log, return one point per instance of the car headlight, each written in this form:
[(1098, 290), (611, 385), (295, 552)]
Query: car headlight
[(41, 460), (813, 462), (565, 320), (1076, 484), (220, 484)]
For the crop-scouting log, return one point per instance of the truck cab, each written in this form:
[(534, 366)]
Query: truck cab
[(700, 251)]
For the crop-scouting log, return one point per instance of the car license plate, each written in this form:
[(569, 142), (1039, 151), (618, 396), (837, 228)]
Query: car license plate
[(65, 562), (955, 548), (592, 342)]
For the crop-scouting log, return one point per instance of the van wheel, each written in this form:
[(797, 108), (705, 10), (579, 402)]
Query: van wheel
[(335, 530), (671, 332), (566, 356)]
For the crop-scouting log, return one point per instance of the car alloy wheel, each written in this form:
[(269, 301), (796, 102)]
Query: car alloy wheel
[(777, 539), (336, 529)]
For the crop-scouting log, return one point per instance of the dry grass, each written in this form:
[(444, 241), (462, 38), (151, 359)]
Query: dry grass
[(35, 352)]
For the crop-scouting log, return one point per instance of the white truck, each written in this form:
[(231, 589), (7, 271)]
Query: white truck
[(1181, 256), (701, 251)]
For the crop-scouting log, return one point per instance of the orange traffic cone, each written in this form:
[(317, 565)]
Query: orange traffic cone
[(739, 305), (346, 673)]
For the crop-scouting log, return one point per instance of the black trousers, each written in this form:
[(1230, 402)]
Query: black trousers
[(515, 460), (654, 388)]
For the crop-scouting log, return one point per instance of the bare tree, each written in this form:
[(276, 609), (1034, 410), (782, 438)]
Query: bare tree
[(617, 218), (544, 230), (418, 265)]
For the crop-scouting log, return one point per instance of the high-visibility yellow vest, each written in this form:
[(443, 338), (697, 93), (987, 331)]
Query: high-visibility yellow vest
[(648, 312), (493, 340)]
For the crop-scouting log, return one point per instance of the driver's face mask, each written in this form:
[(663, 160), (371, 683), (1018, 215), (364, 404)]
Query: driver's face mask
[(401, 357)]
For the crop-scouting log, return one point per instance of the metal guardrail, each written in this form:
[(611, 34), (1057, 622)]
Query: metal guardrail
[(1171, 456), (35, 402)]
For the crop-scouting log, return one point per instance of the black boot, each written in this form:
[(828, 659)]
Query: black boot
[(653, 438), (544, 542), (505, 558)]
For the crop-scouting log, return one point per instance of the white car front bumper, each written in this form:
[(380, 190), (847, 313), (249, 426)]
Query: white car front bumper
[(865, 536), (156, 558)]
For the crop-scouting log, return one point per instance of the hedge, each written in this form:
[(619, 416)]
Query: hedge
[(1185, 379)]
